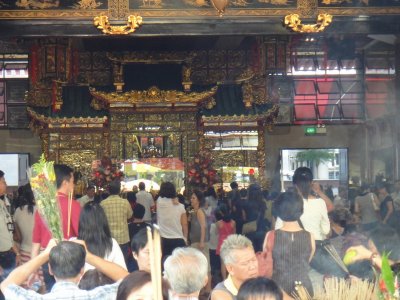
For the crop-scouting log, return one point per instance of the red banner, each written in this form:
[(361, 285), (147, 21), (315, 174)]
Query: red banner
[(34, 64)]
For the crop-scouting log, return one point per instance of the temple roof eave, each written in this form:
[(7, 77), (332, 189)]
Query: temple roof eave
[(268, 117), (68, 122)]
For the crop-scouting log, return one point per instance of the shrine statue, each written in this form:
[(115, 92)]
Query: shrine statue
[(151, 150)]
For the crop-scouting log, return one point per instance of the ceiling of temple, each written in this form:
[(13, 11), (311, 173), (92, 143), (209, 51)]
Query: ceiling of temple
[(195, 17)]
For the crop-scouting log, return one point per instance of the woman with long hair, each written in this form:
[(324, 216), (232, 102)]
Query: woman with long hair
[(199, 234), (95, 231), (23, 221), (24, 218)]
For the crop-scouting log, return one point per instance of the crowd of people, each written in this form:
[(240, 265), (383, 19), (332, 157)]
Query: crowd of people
[(211, 241)]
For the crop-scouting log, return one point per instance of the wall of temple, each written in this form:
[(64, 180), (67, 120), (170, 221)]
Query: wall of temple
[(337, 136), (20, 141)]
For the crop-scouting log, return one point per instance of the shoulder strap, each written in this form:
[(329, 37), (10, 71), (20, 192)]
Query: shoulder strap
[(300, 223), (270, 240)]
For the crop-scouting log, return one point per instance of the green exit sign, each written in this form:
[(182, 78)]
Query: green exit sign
[(311, 130)]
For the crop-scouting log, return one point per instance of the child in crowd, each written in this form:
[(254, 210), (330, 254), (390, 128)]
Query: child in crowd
[(226, 226)]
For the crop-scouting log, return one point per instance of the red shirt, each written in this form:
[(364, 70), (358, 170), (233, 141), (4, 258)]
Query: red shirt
[(41, 233)]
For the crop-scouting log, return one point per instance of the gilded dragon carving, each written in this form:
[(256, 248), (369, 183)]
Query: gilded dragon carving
[(152, 96)]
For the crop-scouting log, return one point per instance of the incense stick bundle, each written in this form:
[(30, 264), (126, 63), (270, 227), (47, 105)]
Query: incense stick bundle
[(301, 292), (340, 289), (154, 241), (69, 213)]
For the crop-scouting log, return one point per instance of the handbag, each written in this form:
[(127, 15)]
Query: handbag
[(265, 259)]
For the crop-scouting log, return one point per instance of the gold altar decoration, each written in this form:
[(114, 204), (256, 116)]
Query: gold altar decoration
[(230, 158), (102, 23), (247, 91), (153, 97), (186, 80), (294, 22)]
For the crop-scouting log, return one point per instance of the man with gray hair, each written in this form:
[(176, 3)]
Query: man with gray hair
[(187, 272), (238, 255)]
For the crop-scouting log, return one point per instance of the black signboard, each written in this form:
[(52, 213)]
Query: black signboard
[(17, 117), (15, 90)]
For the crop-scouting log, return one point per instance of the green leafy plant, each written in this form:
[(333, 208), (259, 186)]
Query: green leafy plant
[(43, 183), (387, 280)]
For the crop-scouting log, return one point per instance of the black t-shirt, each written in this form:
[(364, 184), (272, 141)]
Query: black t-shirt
[(135, 227)]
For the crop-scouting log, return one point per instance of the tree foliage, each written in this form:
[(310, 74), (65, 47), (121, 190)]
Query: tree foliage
[(315, 156)]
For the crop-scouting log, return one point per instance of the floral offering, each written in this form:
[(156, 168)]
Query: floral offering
[(44, 187), (104, 172), (202, 172)]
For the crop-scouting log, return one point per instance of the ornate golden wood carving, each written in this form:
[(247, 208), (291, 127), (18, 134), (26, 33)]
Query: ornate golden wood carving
[(307, 8), (78, 158), (247, 91), (152, 96), (87, 4), (262, 157), (68, 122), (151, 57), (294, 22), (269, 116), (102, 23), (44, 137), (58, 94), (113, 9), (116, 14), (39, 95), (230, 158)]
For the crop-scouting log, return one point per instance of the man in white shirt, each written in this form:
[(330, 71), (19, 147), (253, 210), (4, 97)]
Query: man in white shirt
[(90, 191), (146, 199)]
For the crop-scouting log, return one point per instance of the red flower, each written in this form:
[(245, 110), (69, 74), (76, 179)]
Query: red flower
[(382, 285)]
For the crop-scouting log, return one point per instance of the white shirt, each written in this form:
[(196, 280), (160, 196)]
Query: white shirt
[(24, 219), (314, 218), (6, 236), (169, 218), (146, 199), (84, 199), (115, 256)]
